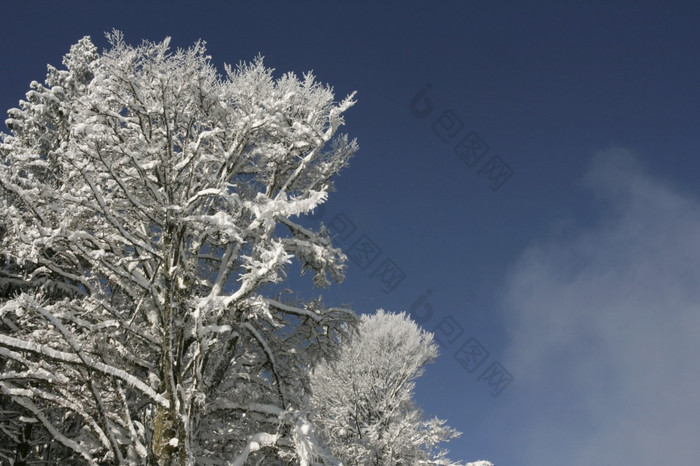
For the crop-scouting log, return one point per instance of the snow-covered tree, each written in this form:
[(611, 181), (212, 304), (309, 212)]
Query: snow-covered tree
[(363, 400), (151, 204)]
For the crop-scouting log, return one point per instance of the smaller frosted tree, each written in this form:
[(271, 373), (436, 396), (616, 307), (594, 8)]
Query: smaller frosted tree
[(363, 401)]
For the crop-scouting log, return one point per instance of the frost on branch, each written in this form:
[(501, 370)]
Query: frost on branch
[(148, 201), (363, 401)]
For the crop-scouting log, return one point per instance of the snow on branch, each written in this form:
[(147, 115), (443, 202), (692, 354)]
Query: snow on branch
[(70, 358)]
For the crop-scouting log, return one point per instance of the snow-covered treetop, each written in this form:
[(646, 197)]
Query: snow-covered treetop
[(159, 197)]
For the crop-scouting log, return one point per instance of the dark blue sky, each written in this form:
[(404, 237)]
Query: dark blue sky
[(578, 275)]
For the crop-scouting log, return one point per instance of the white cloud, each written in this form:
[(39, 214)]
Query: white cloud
[(604, 329)]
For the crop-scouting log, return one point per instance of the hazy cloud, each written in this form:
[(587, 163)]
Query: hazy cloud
[(604, 328)]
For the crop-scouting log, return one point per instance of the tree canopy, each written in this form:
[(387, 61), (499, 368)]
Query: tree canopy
[(363, 400), (153, 209), (149, 203)]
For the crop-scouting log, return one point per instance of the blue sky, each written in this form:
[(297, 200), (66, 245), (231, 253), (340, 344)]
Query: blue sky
[(576, 276)]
